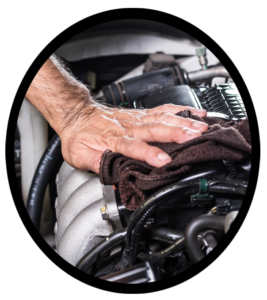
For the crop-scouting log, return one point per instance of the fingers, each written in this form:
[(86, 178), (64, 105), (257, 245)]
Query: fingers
[(169, 118), (163, 132), (140, 150), (174, 109)]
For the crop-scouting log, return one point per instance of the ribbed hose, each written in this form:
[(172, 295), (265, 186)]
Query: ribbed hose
[(41, 178), (136, 236)]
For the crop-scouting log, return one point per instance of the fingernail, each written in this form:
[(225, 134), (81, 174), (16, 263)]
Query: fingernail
[(192, 132), (163, 156), (198, 124)]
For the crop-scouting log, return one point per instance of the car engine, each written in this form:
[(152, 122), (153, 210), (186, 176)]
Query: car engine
[(178, 224)]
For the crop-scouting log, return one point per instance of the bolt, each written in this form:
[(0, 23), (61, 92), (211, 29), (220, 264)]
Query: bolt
[(201, 53), (104, 213)]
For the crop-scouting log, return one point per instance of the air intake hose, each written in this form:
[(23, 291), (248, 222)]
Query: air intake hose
[(124, 93)]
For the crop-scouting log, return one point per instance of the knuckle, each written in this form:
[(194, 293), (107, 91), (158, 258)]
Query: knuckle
[(162, 116), (178, 133)]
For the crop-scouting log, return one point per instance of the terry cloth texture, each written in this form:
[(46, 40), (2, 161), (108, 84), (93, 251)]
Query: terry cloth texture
[(222, 141)]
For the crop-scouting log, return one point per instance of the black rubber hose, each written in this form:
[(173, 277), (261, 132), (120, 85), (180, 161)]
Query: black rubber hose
[(87, 261), (157, 256), (192, 230), (133, 237), (155, 198), (227, 182), (138, 229), (127, 91), (166, 235), (41, 178), (237, 190), (136, 236)]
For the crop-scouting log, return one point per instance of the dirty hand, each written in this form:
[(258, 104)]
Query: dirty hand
[(87, 128)]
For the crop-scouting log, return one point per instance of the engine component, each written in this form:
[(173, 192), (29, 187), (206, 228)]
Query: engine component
[(87, 261), (223, 99), (141, 273), (111, 211), (17, 153), (80, 225), (208, 74), (201, 53), (62, 175), (159, 61), (194, 228), (229, 219), (180, 95), (124, 93)]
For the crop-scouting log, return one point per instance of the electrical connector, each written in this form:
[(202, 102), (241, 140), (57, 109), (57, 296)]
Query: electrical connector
[(224, 206)]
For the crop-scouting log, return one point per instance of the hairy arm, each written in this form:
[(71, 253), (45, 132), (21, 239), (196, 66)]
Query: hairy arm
[(87, 128), (58, 95)]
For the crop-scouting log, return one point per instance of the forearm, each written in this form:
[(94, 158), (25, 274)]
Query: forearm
[(58, 96)]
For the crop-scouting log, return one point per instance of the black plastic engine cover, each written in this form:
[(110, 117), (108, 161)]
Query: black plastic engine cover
[(223, 99), (180, 95)]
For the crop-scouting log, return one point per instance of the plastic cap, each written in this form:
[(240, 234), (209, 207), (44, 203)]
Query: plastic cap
[(201, 51)]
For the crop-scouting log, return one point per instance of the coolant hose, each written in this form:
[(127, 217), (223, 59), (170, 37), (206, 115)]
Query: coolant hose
[(194, 228), (41, 178)]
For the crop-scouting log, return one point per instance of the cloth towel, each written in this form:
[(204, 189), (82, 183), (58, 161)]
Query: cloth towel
[(223, 140)]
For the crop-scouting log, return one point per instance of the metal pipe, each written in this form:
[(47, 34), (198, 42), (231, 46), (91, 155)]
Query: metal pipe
[(210, 73)]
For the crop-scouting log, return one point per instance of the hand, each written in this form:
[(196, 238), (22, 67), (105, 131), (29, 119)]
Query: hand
[(87, 129), (98, 128)]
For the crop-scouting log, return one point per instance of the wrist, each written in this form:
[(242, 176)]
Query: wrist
[(59, 97)]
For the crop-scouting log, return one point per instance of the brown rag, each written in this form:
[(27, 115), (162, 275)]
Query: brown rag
[(222, 141)]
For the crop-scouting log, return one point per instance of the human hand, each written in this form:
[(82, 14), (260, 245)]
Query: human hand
[(97, 128), (87, 128)]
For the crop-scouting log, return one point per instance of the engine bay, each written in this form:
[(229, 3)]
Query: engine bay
[(179, 222)]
